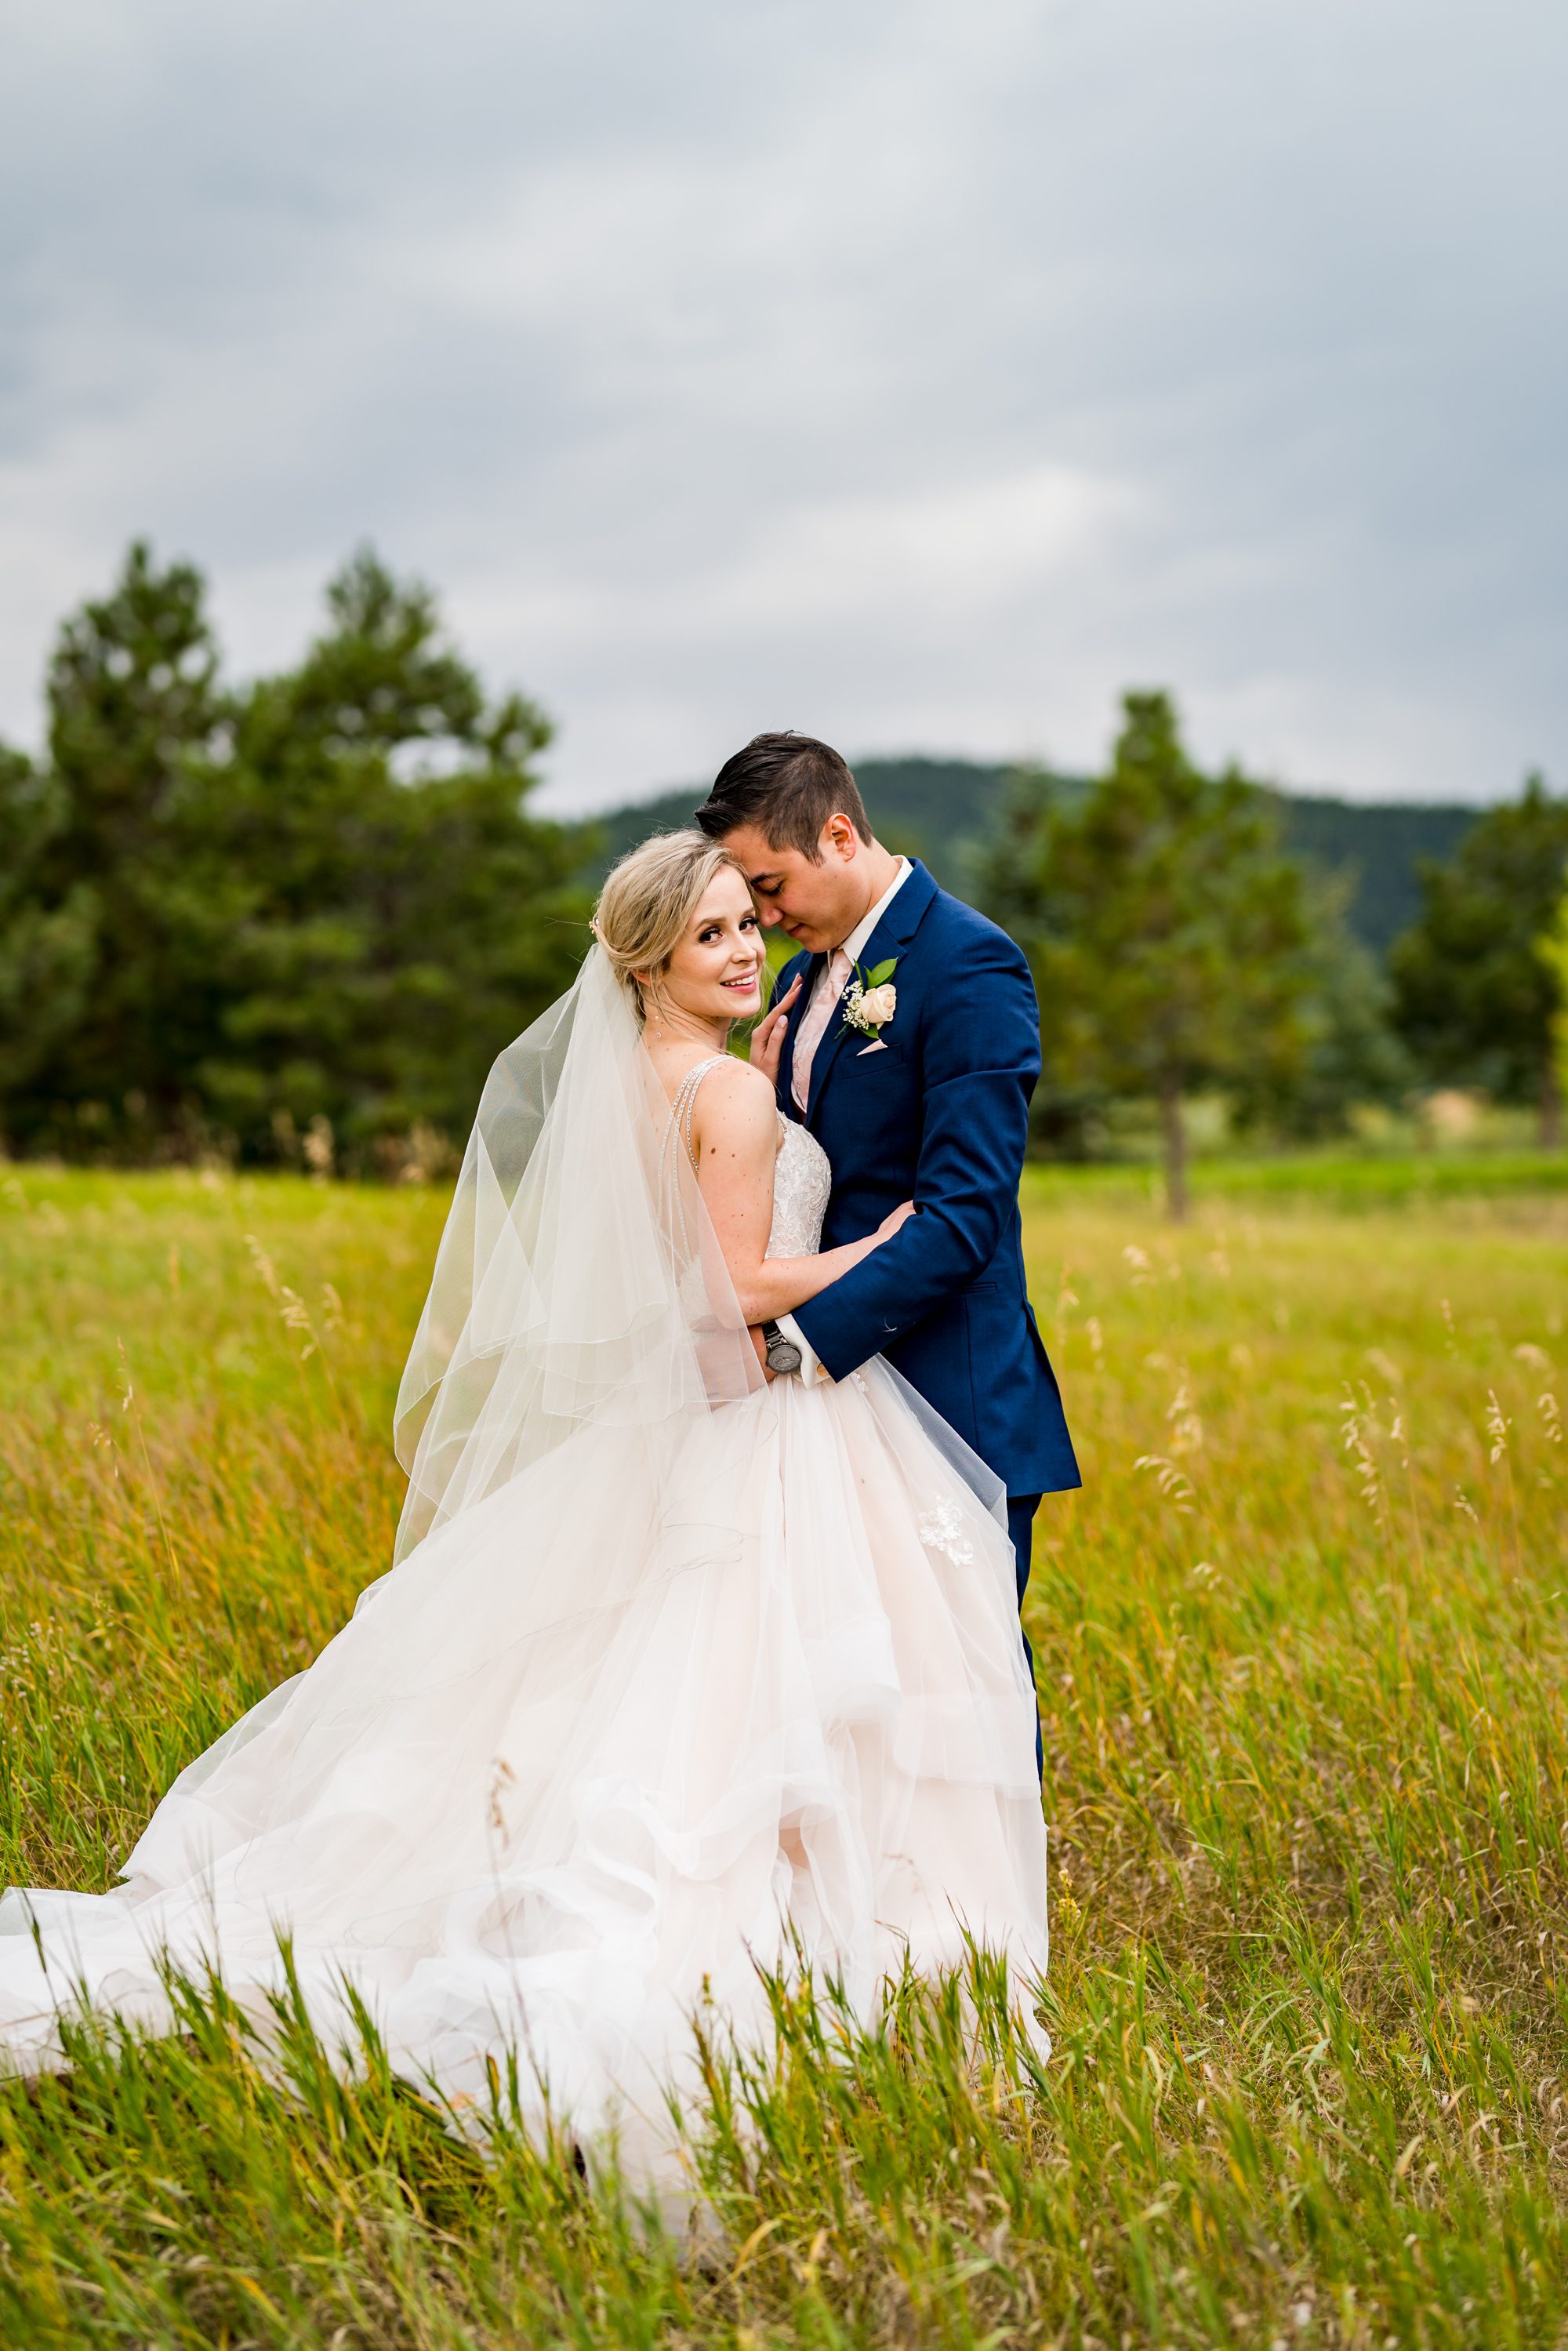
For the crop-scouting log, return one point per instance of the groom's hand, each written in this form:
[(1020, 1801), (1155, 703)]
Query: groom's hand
[(768, 1036)]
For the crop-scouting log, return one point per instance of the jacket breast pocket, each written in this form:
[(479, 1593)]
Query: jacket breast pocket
[(877, 1056)]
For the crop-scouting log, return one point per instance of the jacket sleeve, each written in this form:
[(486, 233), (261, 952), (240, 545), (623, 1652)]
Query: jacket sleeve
[(979, 1066)]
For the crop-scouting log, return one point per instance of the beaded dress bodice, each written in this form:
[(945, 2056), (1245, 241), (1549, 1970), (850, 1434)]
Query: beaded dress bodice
[(802, 1178)]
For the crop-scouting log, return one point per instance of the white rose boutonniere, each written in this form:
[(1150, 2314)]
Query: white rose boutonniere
[(870, 999)]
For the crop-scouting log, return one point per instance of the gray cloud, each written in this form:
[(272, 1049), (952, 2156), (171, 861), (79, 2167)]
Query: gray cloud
[(920, 375)]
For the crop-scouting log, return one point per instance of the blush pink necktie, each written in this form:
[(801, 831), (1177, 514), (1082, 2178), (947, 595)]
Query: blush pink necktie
[(819, 1012)]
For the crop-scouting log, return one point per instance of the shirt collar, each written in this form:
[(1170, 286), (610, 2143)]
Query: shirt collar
[(858, 939)]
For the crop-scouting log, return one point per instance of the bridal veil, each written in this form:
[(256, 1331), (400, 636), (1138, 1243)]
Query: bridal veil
[(578, 1282)]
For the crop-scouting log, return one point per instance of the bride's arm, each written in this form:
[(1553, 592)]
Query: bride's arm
[(735, 1132)]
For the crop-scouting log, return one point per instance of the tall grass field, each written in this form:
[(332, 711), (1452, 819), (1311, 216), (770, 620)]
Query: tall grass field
[(1301, 1646)]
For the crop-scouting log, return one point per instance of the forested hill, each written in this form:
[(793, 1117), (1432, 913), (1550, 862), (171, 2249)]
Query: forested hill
[(1380, 843), (941, 810)]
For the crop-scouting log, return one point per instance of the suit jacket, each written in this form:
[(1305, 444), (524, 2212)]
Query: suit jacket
[(939, 1114)]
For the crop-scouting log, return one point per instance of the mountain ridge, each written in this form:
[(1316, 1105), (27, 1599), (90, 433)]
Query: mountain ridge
[(945, 811)]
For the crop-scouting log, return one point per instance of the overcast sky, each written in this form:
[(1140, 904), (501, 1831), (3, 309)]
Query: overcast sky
[(917, 373)]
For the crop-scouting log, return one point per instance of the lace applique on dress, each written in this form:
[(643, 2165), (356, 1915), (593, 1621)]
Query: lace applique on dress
[(803, 1180), (942, 1530)]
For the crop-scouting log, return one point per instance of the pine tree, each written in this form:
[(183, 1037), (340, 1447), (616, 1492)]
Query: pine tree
[(47, 938), (1165, 926), (1473, 997), (407, 915), (133, 702), (227, 915)]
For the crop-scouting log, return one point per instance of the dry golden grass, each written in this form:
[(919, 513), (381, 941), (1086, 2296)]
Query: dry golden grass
[(1301, 1646)]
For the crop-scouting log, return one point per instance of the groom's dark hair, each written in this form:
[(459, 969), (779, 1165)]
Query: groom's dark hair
[(788, 786)]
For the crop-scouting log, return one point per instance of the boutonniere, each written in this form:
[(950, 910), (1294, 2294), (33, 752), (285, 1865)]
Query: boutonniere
[(870, 999)]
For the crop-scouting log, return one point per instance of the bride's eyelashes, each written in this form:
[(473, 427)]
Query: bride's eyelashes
[(716, 930)]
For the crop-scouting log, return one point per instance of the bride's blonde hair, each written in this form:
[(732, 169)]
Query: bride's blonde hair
[(646, 902)]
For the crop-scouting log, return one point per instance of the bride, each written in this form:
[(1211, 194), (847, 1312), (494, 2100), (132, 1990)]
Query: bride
[(682, 1671)]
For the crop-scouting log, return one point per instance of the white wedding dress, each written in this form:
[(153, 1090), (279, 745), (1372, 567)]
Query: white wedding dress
[(659, 1695)]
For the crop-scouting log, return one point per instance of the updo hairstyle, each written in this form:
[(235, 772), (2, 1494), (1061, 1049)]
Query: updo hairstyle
[(646, 902)]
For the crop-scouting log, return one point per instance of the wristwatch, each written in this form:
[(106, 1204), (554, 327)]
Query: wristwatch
[(783, 1354)]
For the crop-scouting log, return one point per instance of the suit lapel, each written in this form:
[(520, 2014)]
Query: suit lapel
[(811, 966), (892, 934)]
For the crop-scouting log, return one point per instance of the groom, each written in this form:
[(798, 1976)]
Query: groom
[(907, 1036)]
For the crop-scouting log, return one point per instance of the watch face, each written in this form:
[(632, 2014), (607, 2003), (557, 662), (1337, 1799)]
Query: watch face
[(783, 1355)]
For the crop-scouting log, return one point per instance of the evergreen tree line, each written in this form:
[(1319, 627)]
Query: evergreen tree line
[(1177, 945), (292, 922)]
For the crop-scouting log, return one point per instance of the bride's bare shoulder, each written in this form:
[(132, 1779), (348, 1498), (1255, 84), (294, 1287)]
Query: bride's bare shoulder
[(735, 1105), (734, 1088)]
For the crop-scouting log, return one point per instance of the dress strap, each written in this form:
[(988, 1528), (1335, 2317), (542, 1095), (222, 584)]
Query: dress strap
[(685, 1100)]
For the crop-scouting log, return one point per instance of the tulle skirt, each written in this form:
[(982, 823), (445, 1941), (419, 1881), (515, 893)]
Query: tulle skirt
[(675, 1705)]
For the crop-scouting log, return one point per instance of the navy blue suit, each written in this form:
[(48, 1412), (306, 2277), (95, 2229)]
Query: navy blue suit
[(938, 1116)]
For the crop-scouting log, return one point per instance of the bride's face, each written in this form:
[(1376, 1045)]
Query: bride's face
[(715, 972)]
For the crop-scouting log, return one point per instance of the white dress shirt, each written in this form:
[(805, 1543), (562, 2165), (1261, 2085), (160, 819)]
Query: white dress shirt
[(854, 947)]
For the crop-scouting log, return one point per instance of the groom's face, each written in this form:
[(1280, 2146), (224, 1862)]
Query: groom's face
[(817, 900)]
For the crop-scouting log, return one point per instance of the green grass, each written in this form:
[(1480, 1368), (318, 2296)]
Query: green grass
[(1323, 1177), (1301, 1673)]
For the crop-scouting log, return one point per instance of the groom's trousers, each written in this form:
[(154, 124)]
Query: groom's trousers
[(1021, 1508)]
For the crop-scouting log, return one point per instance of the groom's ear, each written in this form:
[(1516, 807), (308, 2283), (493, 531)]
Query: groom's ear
[(838, 840)]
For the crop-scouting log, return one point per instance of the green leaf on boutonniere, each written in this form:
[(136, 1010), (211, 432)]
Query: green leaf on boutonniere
[(881, 971)]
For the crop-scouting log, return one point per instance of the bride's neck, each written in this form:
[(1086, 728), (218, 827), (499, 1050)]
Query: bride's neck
[(667, 1031)]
